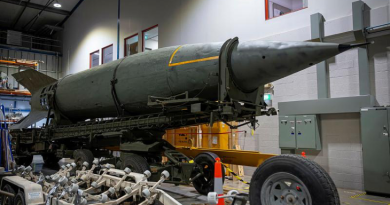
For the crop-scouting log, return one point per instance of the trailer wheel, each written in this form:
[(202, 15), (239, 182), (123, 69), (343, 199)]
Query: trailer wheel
[(5, 200), (291, 179), (205, 183), (136, 163), (19, 199), (82, 155), (51, 160), (24, 160)]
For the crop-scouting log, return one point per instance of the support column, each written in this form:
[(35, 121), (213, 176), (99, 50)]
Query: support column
[(361, 20), (364, 72), (317, 34), (118, 29)]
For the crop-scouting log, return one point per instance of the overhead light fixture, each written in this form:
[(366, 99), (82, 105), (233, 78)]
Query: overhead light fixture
[(57, 4)]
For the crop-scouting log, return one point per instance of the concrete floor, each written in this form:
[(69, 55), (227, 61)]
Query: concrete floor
[(187, 195)]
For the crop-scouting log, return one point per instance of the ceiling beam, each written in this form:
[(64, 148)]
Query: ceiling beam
[(71, 12), (20, 14), (37, 6)]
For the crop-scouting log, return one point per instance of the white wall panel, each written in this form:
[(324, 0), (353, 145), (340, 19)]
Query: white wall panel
[(196, 21)]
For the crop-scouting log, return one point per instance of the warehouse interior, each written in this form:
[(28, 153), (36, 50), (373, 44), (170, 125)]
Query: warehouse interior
[(333, 113)]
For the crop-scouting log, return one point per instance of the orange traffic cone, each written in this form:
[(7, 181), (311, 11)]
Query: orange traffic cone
[(218, 183), (303, 154)]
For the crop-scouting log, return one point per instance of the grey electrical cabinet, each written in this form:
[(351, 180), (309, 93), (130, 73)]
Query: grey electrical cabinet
[(307, 132), (299, 132), (376, 149), (287, 138)]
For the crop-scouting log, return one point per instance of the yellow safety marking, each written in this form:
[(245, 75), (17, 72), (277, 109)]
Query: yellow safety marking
[(370, 200), (173, 54), (235, 174), (195, 61), (190, 61), (357, 195)]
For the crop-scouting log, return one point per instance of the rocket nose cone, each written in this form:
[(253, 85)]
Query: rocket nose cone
[(255, 63), (344, 47)]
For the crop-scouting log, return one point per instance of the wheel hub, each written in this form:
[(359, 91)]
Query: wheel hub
[(284, 189), (289, 196), (290, 199)]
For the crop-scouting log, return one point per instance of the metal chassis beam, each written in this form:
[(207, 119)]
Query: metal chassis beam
[(238, 157)]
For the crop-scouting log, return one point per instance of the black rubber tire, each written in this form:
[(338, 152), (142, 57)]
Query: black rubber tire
[(8, 200), (318, 182), (330, 181), (19, 199), (25, 160), (83, 155), (136, 163), (200, 184), (50, 160)]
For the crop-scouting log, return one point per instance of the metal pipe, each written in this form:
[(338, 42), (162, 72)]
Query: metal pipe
[(4, 193), (30, 50), (374, 27), (118, 34), (19, 98)]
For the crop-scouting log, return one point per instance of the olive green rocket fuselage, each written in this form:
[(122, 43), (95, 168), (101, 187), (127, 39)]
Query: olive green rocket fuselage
[(173, 70)]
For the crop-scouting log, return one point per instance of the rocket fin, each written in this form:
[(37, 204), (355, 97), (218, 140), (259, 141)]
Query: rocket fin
[(33, 80), (30, 119)]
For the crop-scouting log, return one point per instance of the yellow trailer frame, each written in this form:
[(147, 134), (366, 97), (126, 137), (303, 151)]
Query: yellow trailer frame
[(228, 156)]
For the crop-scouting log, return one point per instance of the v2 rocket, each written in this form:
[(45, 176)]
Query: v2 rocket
[(165, 72)]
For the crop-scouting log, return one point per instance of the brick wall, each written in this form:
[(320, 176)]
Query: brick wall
[(342, 150)]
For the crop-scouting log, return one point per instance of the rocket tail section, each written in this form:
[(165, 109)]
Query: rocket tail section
[(33, 80)]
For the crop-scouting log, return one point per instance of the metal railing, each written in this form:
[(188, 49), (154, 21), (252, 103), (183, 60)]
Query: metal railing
[(31, 42)]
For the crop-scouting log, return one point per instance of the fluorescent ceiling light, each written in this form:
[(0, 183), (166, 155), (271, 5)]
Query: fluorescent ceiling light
[(58, 5)]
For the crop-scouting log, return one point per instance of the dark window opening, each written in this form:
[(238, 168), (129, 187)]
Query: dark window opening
[(276, 8), (107, 54), (131, 45), (94, 59)]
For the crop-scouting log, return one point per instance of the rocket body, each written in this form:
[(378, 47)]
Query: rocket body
[(88, 94), (170, 71)]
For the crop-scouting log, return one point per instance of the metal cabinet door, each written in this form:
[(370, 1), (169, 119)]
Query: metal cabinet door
[(287, 132), (376, 150), (306, 131)]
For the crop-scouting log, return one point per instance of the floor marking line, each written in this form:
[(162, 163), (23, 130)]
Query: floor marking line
[(380, 202), (357, 196)]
